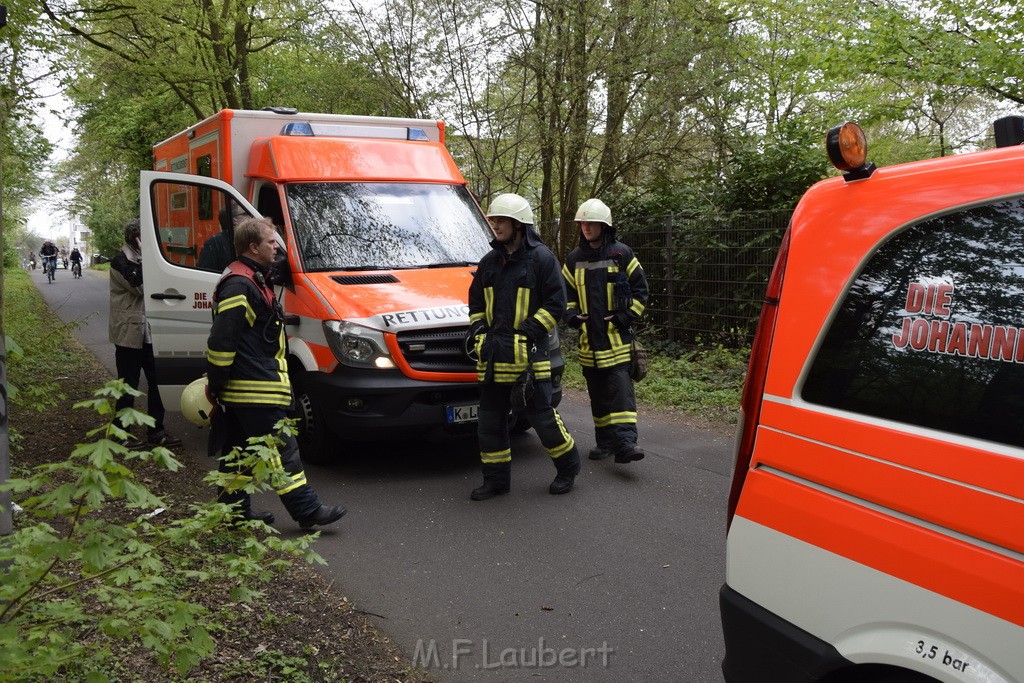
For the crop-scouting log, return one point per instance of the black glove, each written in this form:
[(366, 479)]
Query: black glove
[(212, 398), (621, 321), (621, 292), (576, 321), (475, 330), (522, 390), (533, 330)]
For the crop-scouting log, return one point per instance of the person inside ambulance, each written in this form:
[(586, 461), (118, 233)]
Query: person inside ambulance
[(219, 250), (607, 293), (515, 300)]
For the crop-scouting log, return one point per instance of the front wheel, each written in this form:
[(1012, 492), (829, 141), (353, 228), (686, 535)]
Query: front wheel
[(317, 443)]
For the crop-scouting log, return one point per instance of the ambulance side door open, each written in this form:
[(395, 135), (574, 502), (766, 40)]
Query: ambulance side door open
[(178, 293)]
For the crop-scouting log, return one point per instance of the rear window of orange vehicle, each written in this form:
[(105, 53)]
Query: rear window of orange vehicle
[(931, 332)]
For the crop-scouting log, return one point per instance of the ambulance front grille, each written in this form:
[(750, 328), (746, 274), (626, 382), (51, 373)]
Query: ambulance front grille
[(437, 350)]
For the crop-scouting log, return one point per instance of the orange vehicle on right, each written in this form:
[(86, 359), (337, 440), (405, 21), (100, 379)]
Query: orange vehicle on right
[(876, 517)]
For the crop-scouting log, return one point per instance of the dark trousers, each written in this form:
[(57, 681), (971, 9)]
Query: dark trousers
[(492, 425), (131, 363), (240, 423), (613, 406)]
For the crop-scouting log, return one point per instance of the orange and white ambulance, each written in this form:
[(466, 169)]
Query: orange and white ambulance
[(876, 518), (381, 235)]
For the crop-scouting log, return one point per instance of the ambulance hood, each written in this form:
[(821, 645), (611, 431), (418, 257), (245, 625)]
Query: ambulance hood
[(397, 300)]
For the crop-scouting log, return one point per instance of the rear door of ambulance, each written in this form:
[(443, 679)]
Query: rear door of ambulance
[(883, 512), (178, 295)]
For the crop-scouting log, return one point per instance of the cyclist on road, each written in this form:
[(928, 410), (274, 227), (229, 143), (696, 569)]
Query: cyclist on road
[(48, 255), (76, 262)]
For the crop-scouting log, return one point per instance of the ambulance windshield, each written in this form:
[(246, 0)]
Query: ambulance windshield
[(383, 226)]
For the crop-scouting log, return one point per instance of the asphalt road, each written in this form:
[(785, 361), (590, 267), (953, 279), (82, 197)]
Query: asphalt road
[(615, 581)]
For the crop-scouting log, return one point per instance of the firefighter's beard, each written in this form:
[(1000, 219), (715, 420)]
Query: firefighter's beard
[(511, 238)]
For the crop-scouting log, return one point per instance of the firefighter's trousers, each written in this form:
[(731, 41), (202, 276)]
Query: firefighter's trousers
[(297, 496), (493, 427), (613, 406)]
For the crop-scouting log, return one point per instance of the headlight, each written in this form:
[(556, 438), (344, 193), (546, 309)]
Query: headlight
[(357, 346)]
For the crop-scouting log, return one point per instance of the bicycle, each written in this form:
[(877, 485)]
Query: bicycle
[(50, 265), (76, 269)]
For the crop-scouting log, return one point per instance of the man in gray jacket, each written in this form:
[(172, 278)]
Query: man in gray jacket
[(129, 332)]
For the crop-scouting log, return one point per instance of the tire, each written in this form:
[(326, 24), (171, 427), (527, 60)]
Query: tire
[(317, 443)]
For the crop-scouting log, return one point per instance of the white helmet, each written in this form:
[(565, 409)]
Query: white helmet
[(195, 406), (513, 206), (594, 211)]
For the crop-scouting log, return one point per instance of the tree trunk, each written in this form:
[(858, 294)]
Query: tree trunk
[(547, 113), (619, 62)]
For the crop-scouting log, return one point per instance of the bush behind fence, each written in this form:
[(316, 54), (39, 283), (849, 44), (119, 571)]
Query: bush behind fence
[(707, 273)]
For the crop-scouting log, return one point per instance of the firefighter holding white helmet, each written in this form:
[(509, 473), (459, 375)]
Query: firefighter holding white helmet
[(196, 406), (248, 377), (515, 301), (607, 293)]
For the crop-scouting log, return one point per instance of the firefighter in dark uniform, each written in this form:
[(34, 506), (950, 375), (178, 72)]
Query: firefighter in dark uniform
[(247, 373), (607, 293), (515, 300)]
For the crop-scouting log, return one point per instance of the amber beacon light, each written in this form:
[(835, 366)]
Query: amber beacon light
[(847, 149)]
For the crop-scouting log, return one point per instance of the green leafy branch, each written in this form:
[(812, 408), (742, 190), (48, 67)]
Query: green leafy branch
[(97, 560)]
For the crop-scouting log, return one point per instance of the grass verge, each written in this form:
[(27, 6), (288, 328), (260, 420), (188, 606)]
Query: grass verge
[(706, 383)]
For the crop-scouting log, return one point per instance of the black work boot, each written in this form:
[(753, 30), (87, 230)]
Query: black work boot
[(568, 467), (322, 516), (265, 516), (497, 481), (629, 453), (599, 453)]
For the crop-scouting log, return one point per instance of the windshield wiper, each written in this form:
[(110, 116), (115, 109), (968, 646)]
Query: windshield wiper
[(452, 264), (350, 268)]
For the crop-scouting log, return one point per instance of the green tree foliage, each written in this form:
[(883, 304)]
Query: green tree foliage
[(926, 79), (630, 100), (199, 51), (397, 38), (24, 150), (75, 581), (771, 173), (321, 73), (944, 43), (144, 70), (556, 101)]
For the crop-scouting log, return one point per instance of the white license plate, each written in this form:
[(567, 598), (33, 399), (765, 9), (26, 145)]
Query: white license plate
[(457, 414)]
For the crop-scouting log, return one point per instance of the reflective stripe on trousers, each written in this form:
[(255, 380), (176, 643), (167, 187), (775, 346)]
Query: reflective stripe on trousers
[(613, 406), (241, 422), (492, 425)]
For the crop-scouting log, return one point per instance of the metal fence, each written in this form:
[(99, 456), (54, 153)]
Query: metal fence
[(707, 273)]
